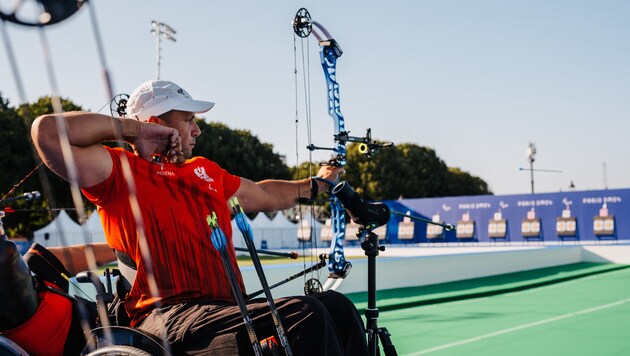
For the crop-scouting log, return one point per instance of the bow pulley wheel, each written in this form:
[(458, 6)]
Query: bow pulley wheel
[(302, 25), (119, 105), (39, 12), (313, 286)]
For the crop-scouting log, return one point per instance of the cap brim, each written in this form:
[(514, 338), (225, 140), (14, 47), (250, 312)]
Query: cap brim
[(196, 106)]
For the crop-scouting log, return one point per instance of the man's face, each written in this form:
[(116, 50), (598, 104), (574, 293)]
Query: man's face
[(184, 122)]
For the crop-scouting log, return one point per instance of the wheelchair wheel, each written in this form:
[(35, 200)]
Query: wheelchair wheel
[(118, 350), (10, 348), (120, 340)]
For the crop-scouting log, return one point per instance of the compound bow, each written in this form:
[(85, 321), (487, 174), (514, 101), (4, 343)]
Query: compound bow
[(330, 51)]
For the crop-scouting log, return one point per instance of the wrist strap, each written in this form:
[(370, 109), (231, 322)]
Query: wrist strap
[(314, 188)]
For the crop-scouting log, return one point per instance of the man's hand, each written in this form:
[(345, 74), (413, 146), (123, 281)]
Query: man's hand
[(330, 173), (157, 140)]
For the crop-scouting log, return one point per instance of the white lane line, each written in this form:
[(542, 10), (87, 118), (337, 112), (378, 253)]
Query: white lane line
[(521, 327)]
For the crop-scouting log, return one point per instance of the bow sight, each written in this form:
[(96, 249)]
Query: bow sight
[(366, 146)]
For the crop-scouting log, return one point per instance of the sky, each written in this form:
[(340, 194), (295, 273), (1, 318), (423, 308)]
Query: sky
[(476, 81)]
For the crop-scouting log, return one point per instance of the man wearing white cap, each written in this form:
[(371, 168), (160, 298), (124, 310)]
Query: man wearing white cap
[(175, 192)]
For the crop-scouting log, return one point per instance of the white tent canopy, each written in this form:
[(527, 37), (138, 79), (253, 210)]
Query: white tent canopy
[(273, 234), (62, 231), (279, 233), (261, 221), (308, 228), (284, 231), (95, 228)]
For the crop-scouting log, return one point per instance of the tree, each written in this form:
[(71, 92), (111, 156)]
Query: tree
[(59, 196), (304, 170), (463, 183), (18, 159), (240, 152), (407, 170)]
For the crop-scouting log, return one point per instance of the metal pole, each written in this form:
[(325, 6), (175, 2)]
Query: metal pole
[(531, 166), (160, 29), (531, 154), (158, 42)]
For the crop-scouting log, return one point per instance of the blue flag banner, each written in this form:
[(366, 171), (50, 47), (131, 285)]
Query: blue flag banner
[(565, 216)]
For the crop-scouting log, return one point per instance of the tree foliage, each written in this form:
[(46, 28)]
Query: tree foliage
[(409, 171), (59, 196), (15, 155), (304, 170), (19, 159), (239, 152), (16, 160)]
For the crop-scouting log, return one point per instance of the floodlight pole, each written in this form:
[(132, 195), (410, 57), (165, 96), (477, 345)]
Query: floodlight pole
[(161, 30), (531, 155)]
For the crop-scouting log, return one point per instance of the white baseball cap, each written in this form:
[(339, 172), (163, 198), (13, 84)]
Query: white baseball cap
[(156, 97)]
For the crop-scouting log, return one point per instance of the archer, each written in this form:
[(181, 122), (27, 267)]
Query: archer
[(180, 289)]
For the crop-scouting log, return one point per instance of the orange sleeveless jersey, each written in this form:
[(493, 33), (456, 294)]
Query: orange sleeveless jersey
[(174, 201)]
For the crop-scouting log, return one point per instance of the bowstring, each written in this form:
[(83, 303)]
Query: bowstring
[(306, 83)]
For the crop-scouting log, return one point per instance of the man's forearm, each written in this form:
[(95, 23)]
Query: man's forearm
[(84, 132), (286, 194), (85, 129)]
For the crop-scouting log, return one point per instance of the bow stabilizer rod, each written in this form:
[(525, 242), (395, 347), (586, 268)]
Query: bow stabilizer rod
[(447, 227)]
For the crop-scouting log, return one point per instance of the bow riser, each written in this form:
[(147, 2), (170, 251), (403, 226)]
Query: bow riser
[(329, 52), (337, 261), (329, 64)]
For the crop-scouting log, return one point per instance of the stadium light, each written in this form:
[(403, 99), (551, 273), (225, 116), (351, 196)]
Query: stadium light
[(161, 30)]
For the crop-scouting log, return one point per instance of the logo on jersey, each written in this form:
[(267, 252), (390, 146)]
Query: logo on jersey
[(201, 173), (165, 173)]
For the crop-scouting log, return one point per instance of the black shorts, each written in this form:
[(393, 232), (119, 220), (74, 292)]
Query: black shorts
[(322, 324)]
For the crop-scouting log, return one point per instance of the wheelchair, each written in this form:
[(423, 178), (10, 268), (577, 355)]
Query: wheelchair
[(37, 276), (111, 337), (117, 338)]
